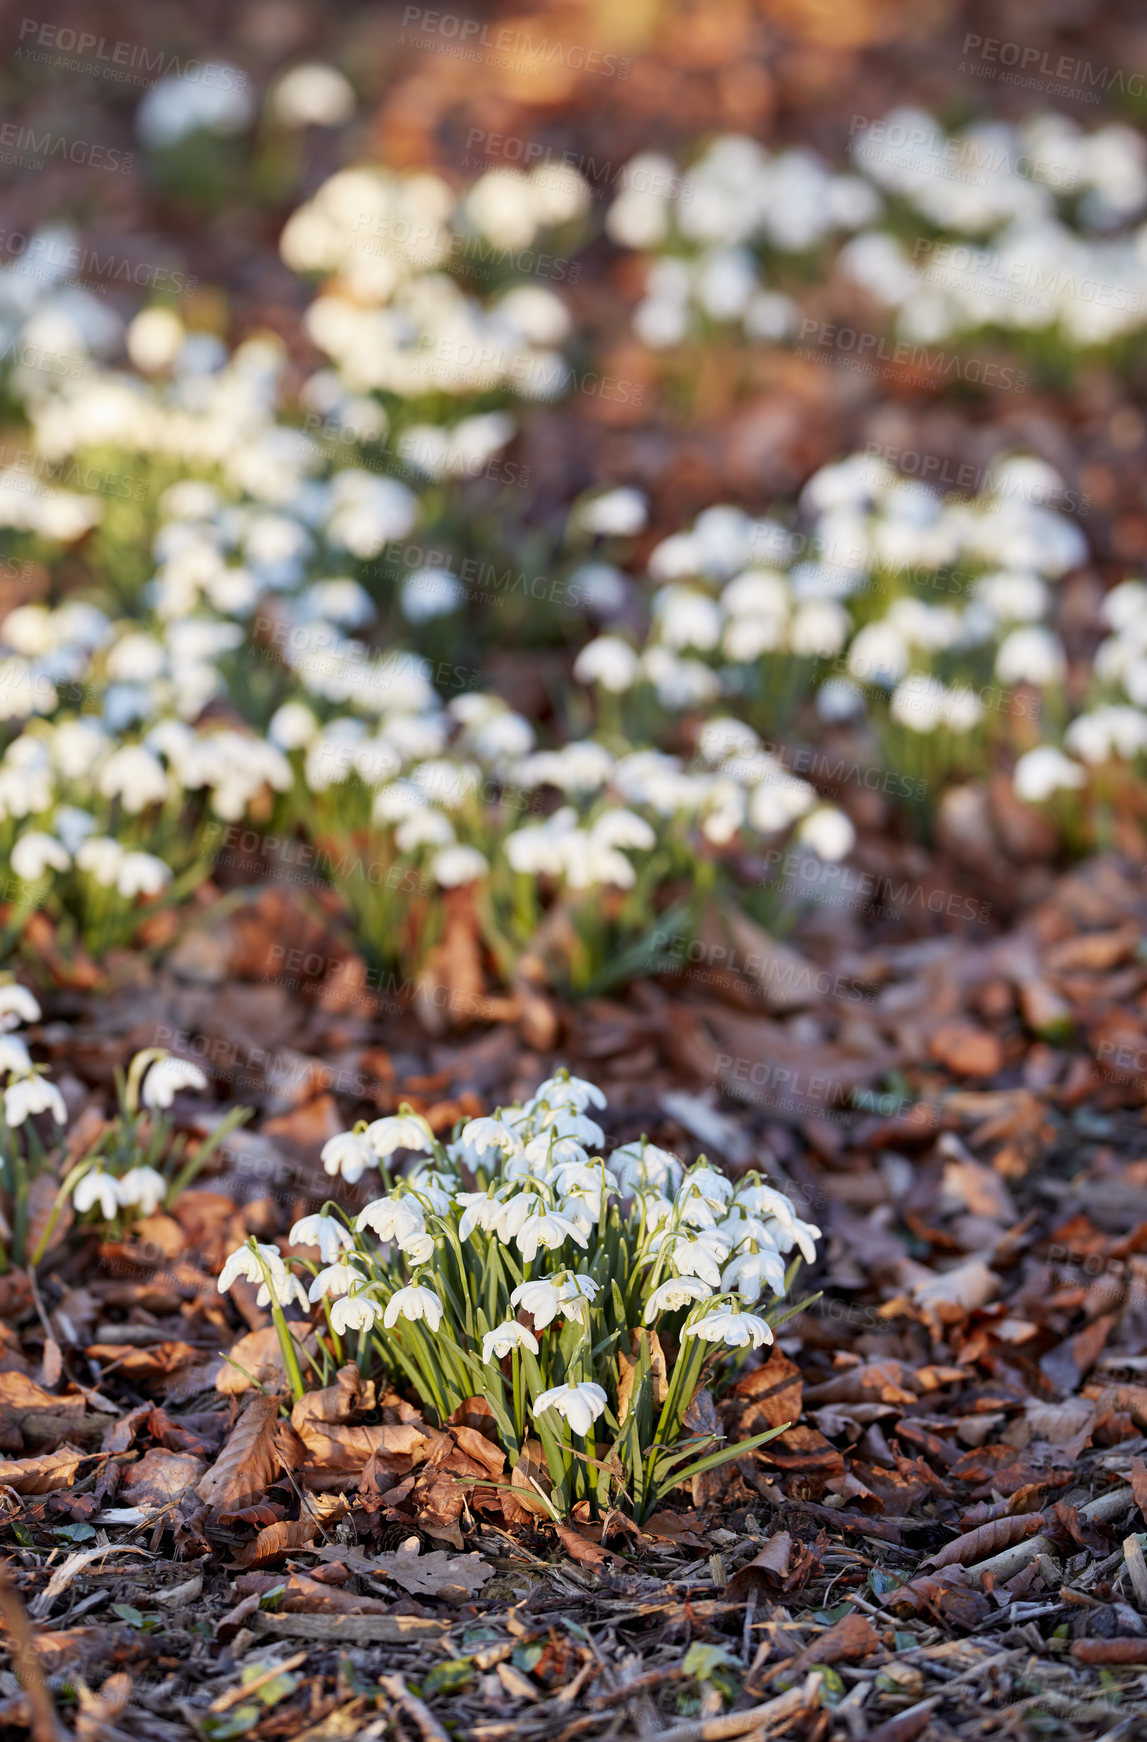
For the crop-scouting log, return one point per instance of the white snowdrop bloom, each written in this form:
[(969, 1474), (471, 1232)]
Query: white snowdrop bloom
[(732, 1327), (618, 513), (143, 1188), (752, 1271), (35, 854), (142, 874), (135, 777), (1013, 597), (819, 629), (429, 593), (679, 1291), (1104, 732), (543, 1153), (576, 1092), (918, 703), (772, 316), (700, 1254), (457, 865), (1126, 605), (623, 828), (687, 618), (77, 746), (1043, 771), (963, 709), (935, 627), (504, 737), (579, 1405), (828, 832), (17, 1005), (748, 637), (600, 587), (166, 1077), (643, 1167), (219, 101), (367, 512), (539, 849), (330, 1235), (879, 655), (724, 282), (348, 1154), (337, 1278), (398, 1131), (566, 1121), (136, 658), (1031, 655), (426, 828), (661, 322), (33, 1094), (479, 1210), (775, 804), (395, 1219), (293, 726), (355, 1312), (313, 95), (153, 340), (609, 661), (101, 857), (502, 206), (496, 1344), (680, 683), (541, 1299), (639, 216), (723, 737), (97, 1187), (481, 1135), (532, 312), (413, 1304)]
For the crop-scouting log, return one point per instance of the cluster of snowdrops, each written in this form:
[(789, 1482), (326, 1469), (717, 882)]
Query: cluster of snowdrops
[(580, 1297)]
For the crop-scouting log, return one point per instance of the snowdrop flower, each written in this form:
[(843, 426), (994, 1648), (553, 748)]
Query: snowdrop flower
[(568, 1123), (17, 1005), (168, 1075), (496, 1344), (245, 1262), (608, 661), (135, 777), (481, 1135), (326, 1232), (143, 1186), (337, 1278), (549, 1230), (679, 1291), (828, 832), (455, 866), (396, 1219), (579, 1092), (15, 1059), (413, 1304), (700, 1254), (313, 95), (752, 1270), (33, 1094), (97, 1187), (580, 1405), (35, 854), (356, 1312), (101, 857), (348, 1154), (643, 1167), (1045, 770), (542, 1299), (620, 513), (1031, 655), (398, 1131), (480, 1210), (142, 874), (732, 1327)]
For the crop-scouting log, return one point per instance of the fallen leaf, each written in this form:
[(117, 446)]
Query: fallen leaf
[(160, 1477), (44, 1474), (766, 1569), (852, 1637), (276, 1540), (987, 1539), (248, 1461)]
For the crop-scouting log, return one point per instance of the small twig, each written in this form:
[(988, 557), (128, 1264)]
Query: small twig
[(1133, 1555), (400, 1695), (743, 1723), (234, 1695), (45, 1725)]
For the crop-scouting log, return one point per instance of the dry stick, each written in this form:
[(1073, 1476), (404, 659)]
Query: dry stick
[(1133, 1555), (22, 1650), (400, 1695), (1004, 1566), (234, 1695), (757, 1718)]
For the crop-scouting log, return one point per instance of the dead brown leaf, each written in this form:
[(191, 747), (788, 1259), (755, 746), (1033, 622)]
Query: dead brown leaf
[(247, 1463)]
